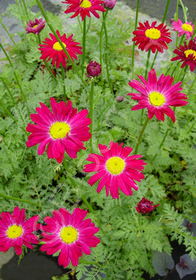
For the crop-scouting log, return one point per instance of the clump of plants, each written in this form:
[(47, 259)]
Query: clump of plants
[(97, 150)]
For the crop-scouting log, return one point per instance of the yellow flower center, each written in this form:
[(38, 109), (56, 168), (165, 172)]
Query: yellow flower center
[(115, 165), (85, 4), (57, 46), (187, 52), (156, 98), (35, 26), (14, 231), (153, 33), (59, 130), (187, 27), (68, 234)]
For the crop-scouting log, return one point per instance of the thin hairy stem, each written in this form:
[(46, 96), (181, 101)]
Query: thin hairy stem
[(9, 197), (91, 113), (133, 50), (140, 136), (84, 45), (106, 48)]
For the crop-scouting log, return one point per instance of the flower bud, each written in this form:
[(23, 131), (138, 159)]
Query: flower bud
[(119, 98), (145, 206), (93, 69), (109, 4)]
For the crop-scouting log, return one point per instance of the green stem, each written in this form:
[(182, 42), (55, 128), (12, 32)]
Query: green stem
[(194, 31), (147, 63), (20, 10), (152, 65), (136, 21), (161, 144), (63, 80), (79, 22), (84, 45), (184, 73), (87, 204), (19, 199), (188, 131), (4, 27), (49, 70), (140, 136), (90, 262), (15, 75), (174, 70), (166, 9), (189, 120), (176, 15), (106, 48), (58, 39), (191, 86), (100, 52), (99, 119), (25, 7), (9, 91), (91, 114), (7, 111), (184, 11)]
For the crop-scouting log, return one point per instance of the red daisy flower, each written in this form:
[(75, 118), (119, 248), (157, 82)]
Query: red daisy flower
[(35, 26), (84, 7), (186, 54), (70, 234), (157, 95), (152, 37), (183, 28), (51, 49), (63, 130), (115, 169), (16, 232)]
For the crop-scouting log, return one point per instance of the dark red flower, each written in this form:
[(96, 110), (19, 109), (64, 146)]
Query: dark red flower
[(145, 206), (35, 26), (186, 54), (152, 37), (93, 69)]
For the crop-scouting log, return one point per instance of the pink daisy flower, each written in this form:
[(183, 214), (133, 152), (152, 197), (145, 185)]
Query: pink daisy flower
[(35, 26), (183, 28), (16, 232), (63, 130), (84, 7), (70, 234), (115, 169), (186, 54), (51, 49), (152, 37), (157, 95)]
